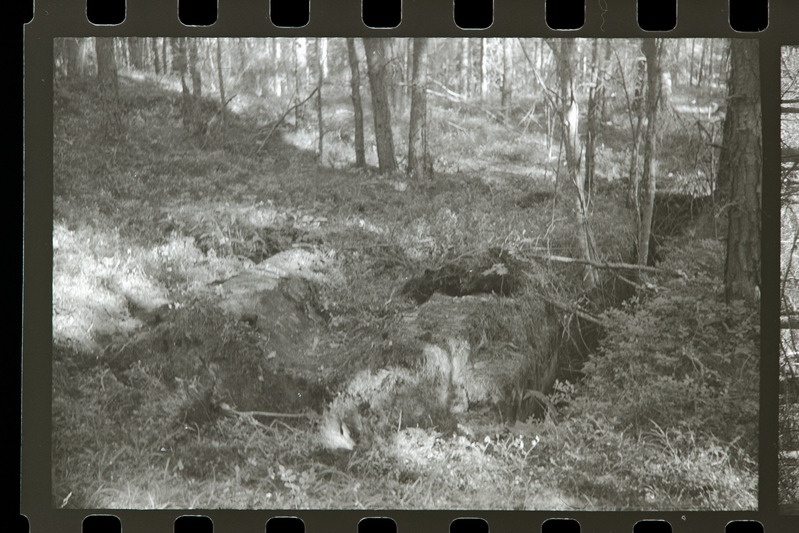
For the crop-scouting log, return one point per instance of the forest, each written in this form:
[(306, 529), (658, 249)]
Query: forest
[(789, 286), (406, 273)]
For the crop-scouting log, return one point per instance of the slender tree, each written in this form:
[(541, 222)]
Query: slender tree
[(136, 50), (376, 62), (605, 76), (639, 112), (653, 51), (108, 84), (355, 92), (320, 77), (701, 73), (569, 111), (191, 121), (165, 57), (740, 172), (75, 57), (482, 72), (301, 77), (393, 73), (154, 52), (463, 64), (408, 62), (710, 55), (419, 166), (194, 69), (507, 76), (592, 117), (221, 80), (121, 52)]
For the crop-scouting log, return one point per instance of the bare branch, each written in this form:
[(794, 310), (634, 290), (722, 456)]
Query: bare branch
[(282, 118), (609, 266), (576, 310)]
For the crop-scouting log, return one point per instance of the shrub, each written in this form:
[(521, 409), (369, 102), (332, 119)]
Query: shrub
[(681, 360)]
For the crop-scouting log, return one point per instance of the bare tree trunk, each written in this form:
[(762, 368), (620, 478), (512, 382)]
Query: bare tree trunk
[(701, 72), (154, 50), (393, 73), (638, 132), (710, 55), (84, 45), (376, 62), (741, 169), (75, 65), (188, 104), (691, 63), (221, 80), (418, 158), (196, 79), (592, 118), (507, 76), (136, 50), (652, 50), (67, 50), (464, 66), (355, 91), (325, 61), (301, 77), (408, 70), (279, 77), (570, 116), (483, 72), (605, 75), (320, 77), (164, 56), (108, 84), (124, 53)]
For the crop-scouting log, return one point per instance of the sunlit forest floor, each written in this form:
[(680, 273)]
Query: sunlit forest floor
[(660, 415)]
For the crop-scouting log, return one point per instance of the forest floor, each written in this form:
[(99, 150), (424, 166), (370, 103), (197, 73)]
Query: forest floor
[(158, 236)]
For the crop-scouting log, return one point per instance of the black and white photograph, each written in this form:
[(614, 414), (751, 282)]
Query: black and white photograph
[(788, 462), (414, 273)]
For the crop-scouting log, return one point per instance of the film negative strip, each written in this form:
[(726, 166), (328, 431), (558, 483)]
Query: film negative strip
[(349, 265)]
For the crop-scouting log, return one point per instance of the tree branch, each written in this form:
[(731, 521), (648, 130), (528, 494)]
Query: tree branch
[(282, 118), (609, 266), (576, 310)]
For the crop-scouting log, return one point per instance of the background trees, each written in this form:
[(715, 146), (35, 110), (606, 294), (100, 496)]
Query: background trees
[(586, 86), (789, 281)]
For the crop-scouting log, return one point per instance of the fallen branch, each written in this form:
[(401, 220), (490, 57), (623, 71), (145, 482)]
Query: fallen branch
[(610, 266), (576, 310), (459, 100), (282, 117), (457, 127), (456, 97), (636, 286), (250, 414)]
